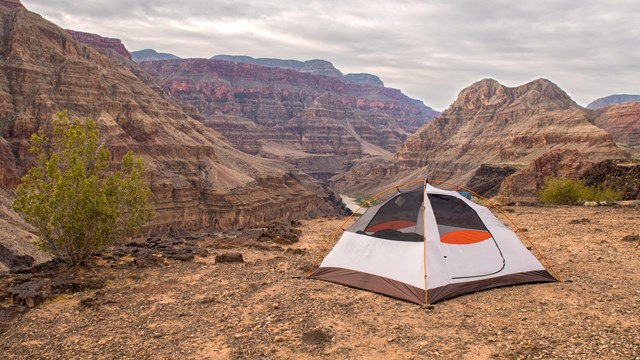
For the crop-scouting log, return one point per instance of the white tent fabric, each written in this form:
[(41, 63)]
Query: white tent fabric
[(463, 250)]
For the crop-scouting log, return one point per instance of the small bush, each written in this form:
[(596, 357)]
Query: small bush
[(568, 192), (78, 200)]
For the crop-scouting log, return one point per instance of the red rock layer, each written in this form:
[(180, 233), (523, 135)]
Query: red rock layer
[(100, 42), (267, 110), (11, 4)]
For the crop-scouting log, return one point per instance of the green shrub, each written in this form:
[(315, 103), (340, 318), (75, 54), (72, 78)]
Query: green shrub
[(568, 192), (73, 196)]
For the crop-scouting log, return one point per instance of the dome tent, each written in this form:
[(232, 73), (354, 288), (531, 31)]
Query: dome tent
[(426, 245)]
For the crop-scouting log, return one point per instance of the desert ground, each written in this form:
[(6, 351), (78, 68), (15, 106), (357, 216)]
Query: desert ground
[(166, 307)]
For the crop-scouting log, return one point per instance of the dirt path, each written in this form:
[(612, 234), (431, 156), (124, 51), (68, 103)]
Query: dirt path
[(263, 309)]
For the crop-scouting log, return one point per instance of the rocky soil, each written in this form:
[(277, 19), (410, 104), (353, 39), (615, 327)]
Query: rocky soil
[(195, 297)]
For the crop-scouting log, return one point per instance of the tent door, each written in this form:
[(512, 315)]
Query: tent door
[(468, 248)]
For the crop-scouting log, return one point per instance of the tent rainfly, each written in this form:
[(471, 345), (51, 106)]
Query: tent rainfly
[(428, 245)]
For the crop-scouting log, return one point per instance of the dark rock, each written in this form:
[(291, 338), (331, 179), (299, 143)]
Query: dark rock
[(319, 338), (201, 252), (631, 238), (580, 221), (487, 179), (181, 256), (148, 260), (293, 251), (279, 233), (33, 292), (96, 300), (230, 258), (621, 175), (13, 261)]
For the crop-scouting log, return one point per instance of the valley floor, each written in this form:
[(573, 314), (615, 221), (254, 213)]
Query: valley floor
[(264, 308)]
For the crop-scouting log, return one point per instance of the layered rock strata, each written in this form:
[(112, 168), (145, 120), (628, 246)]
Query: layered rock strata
[(198, 179), (316, 67), (99, 42), (319, 123), (489, 124), (623, 123)]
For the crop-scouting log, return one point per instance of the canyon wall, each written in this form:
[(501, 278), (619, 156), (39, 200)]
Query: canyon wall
[(489, 123), (200, 182), (319, 123)]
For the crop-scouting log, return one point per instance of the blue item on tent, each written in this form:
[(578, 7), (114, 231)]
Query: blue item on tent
[(465, 194)]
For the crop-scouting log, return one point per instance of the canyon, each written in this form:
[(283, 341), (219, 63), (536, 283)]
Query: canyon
[(318, 123), (234, 141), (499, 127), (200, 182)]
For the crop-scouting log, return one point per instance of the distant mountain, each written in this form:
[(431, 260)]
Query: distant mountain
[(316, 67), (612, 100), (319, 123), (151, 55), (490, 123)]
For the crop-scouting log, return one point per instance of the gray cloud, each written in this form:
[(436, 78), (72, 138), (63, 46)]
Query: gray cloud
[(429, 49)]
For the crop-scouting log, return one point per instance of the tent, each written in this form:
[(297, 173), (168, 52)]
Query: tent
[(464, 248)]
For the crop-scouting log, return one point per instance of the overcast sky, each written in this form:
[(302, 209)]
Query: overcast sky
[(429, 49)]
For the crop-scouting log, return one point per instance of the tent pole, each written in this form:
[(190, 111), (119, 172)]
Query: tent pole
[(424, 235)]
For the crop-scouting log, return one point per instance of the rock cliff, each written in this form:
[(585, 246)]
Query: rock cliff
[(316, 67), (200, 182), (489, 124), (623, 123), (617, 174), (99, 42), (316, 122), (11, 4), (525, 184)]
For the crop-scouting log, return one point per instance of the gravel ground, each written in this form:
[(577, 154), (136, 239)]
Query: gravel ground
[(264, 308)]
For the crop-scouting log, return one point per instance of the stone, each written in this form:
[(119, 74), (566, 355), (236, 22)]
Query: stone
[(631, 238), (230, 258), (318, 337), (580, 221)]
